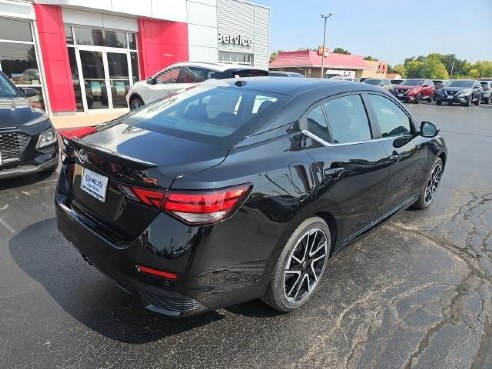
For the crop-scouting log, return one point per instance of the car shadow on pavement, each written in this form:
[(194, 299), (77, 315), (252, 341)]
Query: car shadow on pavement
[(86, 294), (27, 180)]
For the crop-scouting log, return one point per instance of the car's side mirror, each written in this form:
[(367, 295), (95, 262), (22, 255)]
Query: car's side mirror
[(29, 92), (150, 81), (428, 129)]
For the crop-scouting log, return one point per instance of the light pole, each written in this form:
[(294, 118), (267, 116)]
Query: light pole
[(325, 17)]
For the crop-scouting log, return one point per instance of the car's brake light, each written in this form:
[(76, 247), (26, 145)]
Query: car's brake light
[(207, 206), (78, 132), (192, 207), (147, 196)]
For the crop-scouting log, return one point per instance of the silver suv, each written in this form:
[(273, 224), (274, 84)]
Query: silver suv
[(179, 76)]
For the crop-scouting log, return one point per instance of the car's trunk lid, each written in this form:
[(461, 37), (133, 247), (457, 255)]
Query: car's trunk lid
[(123, 157)]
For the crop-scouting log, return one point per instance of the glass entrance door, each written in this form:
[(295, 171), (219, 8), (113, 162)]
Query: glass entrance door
[(93, 81), (105, 77), (119, 77)]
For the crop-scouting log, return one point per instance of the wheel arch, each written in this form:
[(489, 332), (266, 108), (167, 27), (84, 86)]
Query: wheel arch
[(443, 157), (332, 225), (323, 209), (134, 95)]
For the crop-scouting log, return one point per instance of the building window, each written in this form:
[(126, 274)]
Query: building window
[(101, 75), (18, 57), (101, 37), (235, 58)]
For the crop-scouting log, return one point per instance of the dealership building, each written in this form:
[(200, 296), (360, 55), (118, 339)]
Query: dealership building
[(83, 55)]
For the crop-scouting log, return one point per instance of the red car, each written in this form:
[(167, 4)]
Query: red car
[(415, 90)]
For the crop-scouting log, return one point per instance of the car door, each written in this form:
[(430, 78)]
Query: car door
[(477, 90), (404, 148), (351, 167), (428, 89)]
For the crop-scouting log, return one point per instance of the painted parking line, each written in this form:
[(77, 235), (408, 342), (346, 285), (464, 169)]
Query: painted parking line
[(9, 228)]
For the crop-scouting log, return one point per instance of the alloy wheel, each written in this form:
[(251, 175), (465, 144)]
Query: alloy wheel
[(305, 265), (433, 183)]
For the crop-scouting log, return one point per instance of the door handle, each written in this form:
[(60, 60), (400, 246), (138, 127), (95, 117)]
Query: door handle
[(395, 158), (334, 172)]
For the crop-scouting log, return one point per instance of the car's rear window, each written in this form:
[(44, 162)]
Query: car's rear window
[(374, 82), (205, 113), (413, 82)]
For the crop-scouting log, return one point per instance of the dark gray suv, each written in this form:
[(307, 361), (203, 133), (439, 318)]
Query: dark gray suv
[(462, 91)]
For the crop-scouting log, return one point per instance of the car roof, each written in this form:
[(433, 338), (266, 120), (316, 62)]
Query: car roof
[(289, 86), (218, 67)]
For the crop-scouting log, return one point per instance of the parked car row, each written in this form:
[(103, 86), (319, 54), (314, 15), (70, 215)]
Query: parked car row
[(416, 90)]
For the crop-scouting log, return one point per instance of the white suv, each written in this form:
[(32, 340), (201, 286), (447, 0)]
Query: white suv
[(183, 75)]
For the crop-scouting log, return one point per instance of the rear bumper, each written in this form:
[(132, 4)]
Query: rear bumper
[(116, 263), (41, 163), (216, 266)]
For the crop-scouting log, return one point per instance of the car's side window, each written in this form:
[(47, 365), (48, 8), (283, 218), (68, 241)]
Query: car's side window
[(347, 119), (316, 123), (391, 118), (192, 75), (168, 76)]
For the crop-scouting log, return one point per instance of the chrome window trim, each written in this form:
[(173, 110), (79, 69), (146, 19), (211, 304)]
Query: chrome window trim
[(324, 143)]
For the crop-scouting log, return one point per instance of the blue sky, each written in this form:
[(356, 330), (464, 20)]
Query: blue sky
[(388, 29)]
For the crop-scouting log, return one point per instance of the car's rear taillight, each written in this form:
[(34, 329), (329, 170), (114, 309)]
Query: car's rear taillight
[(78, 132), (193, 207)]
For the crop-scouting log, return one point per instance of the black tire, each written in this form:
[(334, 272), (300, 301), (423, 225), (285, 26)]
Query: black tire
[(418, 98), (468, 101), (136, 102), (487, 100), (276, 295), (424, 201), (438, 102)]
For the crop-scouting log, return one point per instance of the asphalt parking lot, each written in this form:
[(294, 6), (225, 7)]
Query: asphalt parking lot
[(415, 293)]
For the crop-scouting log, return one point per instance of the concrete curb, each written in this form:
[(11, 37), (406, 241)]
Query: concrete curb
[(61, 122)]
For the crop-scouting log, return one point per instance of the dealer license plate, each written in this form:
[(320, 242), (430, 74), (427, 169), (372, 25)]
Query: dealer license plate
[(94, 184), (400, 95), (450, 97)]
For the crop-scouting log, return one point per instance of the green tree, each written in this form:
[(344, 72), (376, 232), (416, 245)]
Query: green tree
[(273, 56), (339, 50), (400, 69), (414, 69), (370, 58), (474, 73), (434, 68), (484, 68)]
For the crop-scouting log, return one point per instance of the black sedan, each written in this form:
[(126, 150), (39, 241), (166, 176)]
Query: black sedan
[(28, 141), (241, 189)]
